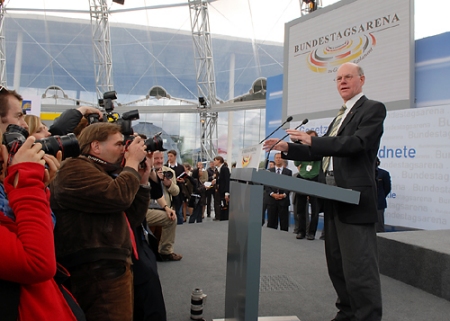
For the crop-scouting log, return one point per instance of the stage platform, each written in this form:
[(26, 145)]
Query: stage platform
[(418, 258), (294, 280)]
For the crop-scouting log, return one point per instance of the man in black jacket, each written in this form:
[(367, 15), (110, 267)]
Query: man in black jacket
[(348, 151), (221, 183), (278, 199)]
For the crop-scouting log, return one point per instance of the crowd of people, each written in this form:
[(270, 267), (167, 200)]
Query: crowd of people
[(79, 234)]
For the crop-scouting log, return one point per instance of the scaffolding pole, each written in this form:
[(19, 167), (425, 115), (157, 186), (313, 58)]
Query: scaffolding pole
[(2, 46), (205, 77), (101, 40)]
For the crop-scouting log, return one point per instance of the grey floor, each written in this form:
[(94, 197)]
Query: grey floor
[(294, 279)]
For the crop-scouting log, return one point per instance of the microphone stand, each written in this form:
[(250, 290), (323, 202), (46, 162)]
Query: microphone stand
[(286, 121), (268, 152)]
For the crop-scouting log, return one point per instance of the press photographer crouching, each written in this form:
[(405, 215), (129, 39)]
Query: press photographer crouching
[(97, 202), (161, 211)]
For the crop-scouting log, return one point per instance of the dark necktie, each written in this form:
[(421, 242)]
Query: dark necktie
[(278, 171), (333, 132)]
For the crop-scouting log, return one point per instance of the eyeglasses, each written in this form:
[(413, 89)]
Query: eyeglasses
[(346, 78)]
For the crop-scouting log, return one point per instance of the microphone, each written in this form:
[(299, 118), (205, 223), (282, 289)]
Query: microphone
[(305, 121), (287, 120)]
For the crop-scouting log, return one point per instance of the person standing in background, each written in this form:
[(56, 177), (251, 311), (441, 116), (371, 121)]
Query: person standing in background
[(278, 199), (308, 170), (383, 188)]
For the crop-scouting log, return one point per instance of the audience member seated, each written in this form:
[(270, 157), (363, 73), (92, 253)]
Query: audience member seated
[(161, 212)]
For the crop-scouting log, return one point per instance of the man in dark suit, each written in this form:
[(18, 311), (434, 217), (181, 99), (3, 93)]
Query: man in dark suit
[(383, 190), (278, 199), (209, 191), (352, 141), (221, 183)]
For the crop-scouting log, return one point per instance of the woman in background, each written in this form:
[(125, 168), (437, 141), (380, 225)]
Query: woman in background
[(36, 128)]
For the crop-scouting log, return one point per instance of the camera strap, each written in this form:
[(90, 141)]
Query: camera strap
[(108, 167)]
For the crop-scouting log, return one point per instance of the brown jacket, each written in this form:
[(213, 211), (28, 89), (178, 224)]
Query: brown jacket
[(89, 206)]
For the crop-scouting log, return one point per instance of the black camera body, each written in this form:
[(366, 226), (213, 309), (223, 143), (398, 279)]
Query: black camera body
[(15, 136), (168, 174), (153, 144)]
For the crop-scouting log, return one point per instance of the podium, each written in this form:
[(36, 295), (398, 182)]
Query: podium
[(244, 233)]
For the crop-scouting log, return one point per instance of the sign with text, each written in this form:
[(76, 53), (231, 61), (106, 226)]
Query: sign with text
[(377, 35), (415, 150)]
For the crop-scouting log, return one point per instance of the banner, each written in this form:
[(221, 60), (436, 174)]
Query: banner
[(377, 35), (415, 150)]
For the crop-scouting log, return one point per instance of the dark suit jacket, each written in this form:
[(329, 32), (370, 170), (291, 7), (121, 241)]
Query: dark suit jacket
[(354, 152), (270, 200), (384, 187), (223, 181)]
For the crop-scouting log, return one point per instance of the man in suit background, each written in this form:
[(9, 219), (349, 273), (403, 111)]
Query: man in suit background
[(210, 191), (278, 200), (221, 183), (352, 141), (383, 190)]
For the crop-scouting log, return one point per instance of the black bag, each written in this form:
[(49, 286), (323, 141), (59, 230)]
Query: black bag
[(9, 300), (194, 200), (10, 297), (61, 276)]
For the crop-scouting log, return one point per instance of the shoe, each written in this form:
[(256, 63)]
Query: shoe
[(310, 237), (322, 237), (171, 257), (300, 236)]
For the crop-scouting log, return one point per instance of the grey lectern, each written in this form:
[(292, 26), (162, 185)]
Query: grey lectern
[(244, 233)]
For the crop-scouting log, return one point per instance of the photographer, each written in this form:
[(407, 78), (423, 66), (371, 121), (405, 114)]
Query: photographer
[(194, 190), (96, 203), (11, 109), (68, 121), (27, 288), (36, 128), (161, 211)]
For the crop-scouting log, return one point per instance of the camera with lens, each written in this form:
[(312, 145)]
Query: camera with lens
[(15, 136), (125, 123), (168, 174), (153, 144), (108, 101), (106, 104)]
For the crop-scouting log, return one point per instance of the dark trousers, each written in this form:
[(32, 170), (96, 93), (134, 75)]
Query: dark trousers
[(380, 224), (209, 195), (352, 260), (177, 202), (104, 290), (278, 213), (196, 214), (302, 212), (264, 212), (219, 211)]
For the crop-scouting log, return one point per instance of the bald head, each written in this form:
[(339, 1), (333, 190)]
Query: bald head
[(349, 80)]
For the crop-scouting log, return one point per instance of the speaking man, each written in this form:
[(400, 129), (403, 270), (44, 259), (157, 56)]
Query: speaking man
[(348, 151)]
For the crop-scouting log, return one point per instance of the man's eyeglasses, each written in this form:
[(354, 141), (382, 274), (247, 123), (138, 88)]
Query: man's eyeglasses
[(346, 78)]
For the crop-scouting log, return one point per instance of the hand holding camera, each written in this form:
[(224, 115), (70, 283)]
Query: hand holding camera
[(29, 151), (135, 152)]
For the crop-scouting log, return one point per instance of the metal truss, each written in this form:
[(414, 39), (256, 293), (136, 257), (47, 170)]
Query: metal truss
[(206, 82), (2, 47), (101, 40)]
